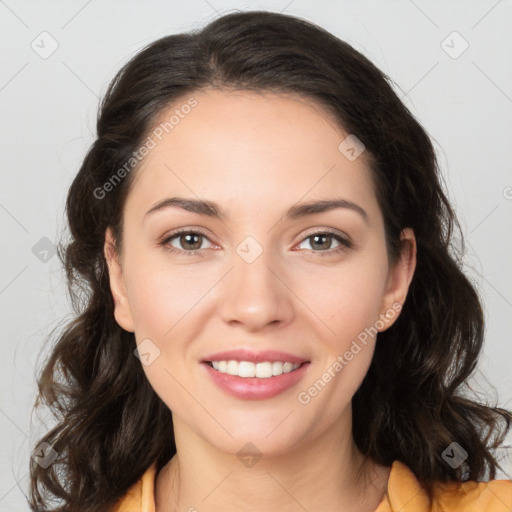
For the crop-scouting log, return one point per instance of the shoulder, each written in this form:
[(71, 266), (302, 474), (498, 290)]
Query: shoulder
[(405, 494), (492, 496)]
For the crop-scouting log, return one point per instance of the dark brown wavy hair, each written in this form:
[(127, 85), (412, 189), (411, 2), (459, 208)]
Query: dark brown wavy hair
[(413, 403)]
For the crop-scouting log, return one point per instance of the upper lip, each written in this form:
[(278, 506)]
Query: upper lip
[(254, 357)]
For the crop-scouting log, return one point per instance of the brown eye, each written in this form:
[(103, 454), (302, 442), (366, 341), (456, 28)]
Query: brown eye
[(321, 242), (189, 242)]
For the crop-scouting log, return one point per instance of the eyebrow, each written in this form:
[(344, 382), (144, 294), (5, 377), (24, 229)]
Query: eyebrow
[(212, 209)]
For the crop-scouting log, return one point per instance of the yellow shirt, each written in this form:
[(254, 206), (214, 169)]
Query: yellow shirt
[(404, 494)]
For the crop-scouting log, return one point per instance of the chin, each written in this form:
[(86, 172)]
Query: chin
[(257, 437)]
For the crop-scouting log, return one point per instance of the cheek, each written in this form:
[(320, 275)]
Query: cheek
[(347, 299), (163, 301), (161, 293), (354, 311), (150, 303)]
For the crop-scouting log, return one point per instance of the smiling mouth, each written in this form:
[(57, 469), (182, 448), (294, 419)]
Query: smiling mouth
[(248, 369)]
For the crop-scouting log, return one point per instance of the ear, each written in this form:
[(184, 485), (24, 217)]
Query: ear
[(400, 277), (122, 311)]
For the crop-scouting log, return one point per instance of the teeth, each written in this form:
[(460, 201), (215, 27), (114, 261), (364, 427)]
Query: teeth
[(232, 368), (246, 369), (263, 370)]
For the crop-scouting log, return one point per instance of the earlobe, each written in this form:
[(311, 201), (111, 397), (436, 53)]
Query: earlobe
[(122, 311), (399, 280)]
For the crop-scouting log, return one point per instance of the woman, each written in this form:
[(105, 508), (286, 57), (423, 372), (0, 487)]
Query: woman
[(269, 312)]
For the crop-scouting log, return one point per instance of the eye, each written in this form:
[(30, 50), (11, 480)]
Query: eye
[(319, 245), (191, 240)]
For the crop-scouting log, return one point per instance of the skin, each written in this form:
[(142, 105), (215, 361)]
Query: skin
[(256, 155)]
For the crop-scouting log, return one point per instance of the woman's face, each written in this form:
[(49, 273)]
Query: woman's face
[(257, 281)]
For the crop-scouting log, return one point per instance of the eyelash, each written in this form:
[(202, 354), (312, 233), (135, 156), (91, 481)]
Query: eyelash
[(345, 244)]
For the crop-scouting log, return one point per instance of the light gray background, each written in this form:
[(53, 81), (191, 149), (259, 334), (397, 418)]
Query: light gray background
[(48, 112)]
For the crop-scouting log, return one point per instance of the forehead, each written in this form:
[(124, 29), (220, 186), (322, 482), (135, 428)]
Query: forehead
[(244, 147)]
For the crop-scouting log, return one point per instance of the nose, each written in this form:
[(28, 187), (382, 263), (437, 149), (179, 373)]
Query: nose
[(255, 293)]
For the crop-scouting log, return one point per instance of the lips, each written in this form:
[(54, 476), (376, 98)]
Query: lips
[(290, 369), (255, 357)]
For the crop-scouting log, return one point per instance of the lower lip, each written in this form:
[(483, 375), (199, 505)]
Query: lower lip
[(252, 388)]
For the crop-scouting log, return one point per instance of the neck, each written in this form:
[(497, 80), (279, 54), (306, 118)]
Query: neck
[(328, 473)]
